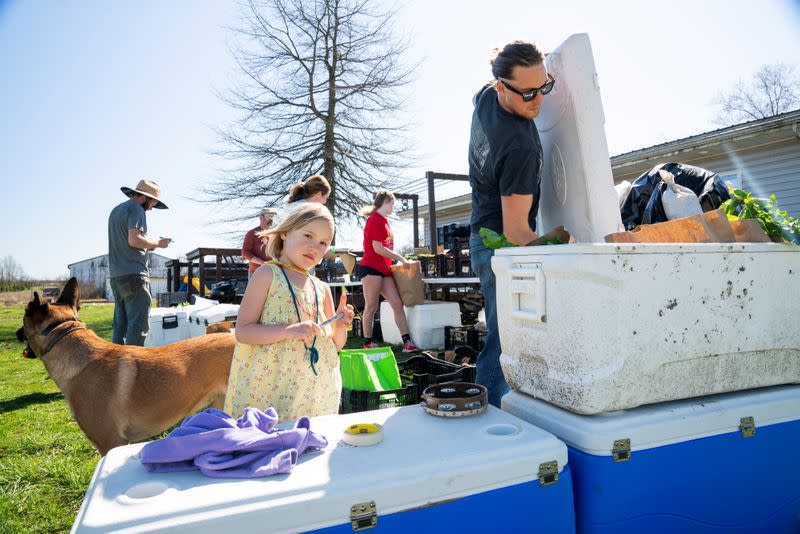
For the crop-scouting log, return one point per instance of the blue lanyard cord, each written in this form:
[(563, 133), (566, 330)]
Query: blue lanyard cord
[(313, 353)]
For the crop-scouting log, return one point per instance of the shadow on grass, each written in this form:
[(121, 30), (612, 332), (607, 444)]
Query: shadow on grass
[(26, 400)]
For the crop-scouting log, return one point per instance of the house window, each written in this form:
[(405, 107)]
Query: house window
[(732, 176)]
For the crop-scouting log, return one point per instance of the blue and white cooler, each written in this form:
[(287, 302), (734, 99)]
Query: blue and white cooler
[(488, 473), (722, 463)]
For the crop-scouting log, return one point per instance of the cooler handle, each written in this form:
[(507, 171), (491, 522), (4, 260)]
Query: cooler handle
[(528, 281)]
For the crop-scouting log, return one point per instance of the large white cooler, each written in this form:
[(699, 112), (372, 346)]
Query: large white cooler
[(202, 319), (595, 327), (167, 325), (723, 463), (466, 474), (426, 323)]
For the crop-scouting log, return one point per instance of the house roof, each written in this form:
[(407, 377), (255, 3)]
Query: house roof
[(106, 255)]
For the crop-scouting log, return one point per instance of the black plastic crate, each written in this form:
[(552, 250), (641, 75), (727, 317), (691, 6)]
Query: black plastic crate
[(463, 336), (424, 370), (356, 400)]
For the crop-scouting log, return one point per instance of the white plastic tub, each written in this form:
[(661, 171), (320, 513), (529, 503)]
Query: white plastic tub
[(603, 327), (202, 319), (465, 474), (426, 323), (167, 325)]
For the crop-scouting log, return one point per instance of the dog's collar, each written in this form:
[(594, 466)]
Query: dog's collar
[(47, 331)]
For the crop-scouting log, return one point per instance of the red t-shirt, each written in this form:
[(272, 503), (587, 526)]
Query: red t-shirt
[(253, 248), (377, 229)]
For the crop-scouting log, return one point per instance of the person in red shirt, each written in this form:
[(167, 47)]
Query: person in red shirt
[(253, 246), (375, 269)]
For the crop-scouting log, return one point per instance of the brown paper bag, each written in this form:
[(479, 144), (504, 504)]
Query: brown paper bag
[(408, 278), (749, 231), (709, 227)]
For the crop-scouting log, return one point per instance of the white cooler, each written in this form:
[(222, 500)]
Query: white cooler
[(487, 473), (595, 327), (724, 463), (167, 325), (426, 323), (202, 319)]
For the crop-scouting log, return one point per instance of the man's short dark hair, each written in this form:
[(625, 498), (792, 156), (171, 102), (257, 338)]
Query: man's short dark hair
[(514, 54)]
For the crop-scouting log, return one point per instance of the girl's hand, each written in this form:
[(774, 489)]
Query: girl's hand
[(304, 331), (347, 310)]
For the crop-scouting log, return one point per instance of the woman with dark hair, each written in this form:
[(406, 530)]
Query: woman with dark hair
[(375, 269), (314, 189)]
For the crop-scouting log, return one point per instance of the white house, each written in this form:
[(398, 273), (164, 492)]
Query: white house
[(93, 274), (761, 156)]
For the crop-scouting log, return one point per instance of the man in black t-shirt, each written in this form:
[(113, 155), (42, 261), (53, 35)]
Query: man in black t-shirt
[(505, 161)]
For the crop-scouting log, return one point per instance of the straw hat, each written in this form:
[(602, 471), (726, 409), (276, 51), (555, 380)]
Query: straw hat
[(147, 188)]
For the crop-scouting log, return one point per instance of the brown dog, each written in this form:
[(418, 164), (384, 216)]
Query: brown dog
[(121, 394)]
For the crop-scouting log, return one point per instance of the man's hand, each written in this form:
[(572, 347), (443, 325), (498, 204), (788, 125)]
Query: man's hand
[(164, 242)]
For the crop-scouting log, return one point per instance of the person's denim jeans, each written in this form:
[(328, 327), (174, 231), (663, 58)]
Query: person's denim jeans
[(131, 309), (489, 373)]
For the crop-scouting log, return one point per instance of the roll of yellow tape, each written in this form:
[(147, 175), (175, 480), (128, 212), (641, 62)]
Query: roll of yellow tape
[(363, 434)]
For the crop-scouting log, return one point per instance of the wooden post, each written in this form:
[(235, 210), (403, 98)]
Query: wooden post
[(201, 266)]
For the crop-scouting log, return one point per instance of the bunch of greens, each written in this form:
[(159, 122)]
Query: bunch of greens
[(776, 223), (493, 240)]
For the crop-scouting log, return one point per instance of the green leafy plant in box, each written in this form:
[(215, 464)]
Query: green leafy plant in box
[(776, 223)]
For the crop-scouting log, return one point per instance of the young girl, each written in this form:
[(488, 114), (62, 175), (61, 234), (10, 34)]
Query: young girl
[(375, 269), (283, 358)]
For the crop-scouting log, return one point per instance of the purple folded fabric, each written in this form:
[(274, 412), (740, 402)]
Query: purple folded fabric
[(223, 447)]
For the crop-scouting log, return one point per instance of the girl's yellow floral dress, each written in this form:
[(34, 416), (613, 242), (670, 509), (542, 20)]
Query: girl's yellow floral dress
[(278, 374)]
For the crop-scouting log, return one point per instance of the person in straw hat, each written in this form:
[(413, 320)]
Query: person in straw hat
[(128, 246)]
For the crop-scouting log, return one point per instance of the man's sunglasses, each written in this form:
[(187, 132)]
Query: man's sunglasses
[(530, 94)]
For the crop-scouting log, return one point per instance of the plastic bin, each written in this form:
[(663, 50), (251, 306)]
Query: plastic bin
[(722, 463), (487, 473), (369, 369), (166, 325), (202, 319), (463, 336), (426, 323), (362, 400), (424, 370)]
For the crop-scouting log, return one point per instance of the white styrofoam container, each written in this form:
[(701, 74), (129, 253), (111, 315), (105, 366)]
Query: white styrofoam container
[(577, 188), (426, 323), (422, 463), (692, 467), (604, 327), (167, 325), (202, 319)]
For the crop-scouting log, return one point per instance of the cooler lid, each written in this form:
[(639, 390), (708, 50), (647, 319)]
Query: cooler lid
[(656, 425), (156, 315), (422, 460), (217, 313), (577, 188)]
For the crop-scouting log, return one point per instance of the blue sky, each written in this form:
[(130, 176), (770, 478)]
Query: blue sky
[(96, 95)]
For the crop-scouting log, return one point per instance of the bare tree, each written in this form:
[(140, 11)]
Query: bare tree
[(11, 272), (321, 96), (774, 89)]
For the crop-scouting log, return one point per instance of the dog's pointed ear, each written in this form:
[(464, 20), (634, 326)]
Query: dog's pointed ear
[(38, 300), (71, 294)]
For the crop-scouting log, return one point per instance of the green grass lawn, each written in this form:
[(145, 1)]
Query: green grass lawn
[(46, 462)]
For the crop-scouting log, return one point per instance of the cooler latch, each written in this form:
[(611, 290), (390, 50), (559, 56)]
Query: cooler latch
[(747, 426), (363, 516), (548, 473), (622, 450)]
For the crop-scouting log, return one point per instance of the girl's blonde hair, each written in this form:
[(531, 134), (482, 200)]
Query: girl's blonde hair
[(310, 187), (298, 217), (381, 196)]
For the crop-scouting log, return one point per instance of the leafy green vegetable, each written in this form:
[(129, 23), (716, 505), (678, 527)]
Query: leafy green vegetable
[(493, 240), (776, 223)]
